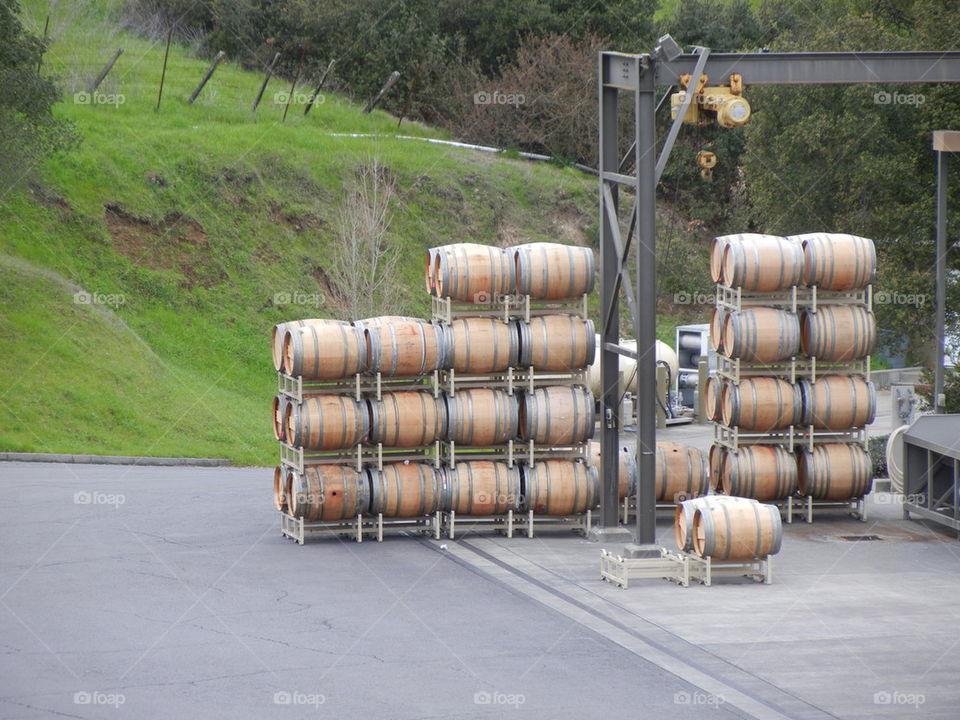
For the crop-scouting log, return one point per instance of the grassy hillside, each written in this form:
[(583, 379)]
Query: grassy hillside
[(186, 224)]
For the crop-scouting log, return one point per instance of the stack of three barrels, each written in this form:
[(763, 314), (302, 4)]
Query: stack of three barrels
[(801, 298), (498, 343)]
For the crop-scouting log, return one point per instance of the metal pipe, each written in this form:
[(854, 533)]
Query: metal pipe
[(940, 321)]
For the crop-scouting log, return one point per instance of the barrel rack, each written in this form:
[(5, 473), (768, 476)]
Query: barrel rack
[(680, 567), (299, 530), (506, 307), (360, 385), (524, 522), (797, 368)]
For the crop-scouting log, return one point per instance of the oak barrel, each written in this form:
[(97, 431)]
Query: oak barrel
[(407, 419), (836, 261), (483, 488), (716, 458), (626, 468), (761, 334), (279, 488), (327, 422), (405, 490), (405, 348), (682, 472), (836, 471), (712, 394), (429, 275), (482, 345), (762, 263), (278, 415), (838, 402), (717, 248), (472, 273), (551, 271), (324, 352), (740, 531), (480, 417), (683, 516), (761, 404), (280, 330), (557, 343), (558, 415), (329, 492), (560, 487), (838, 333), (764, 472), (717, 320)]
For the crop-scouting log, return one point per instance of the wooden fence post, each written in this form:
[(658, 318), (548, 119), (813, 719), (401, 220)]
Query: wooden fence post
[(266, 78), (394, 76), (103, 73), (213, 66)]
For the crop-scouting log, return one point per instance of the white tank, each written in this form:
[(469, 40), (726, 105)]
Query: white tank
[(629, 367)]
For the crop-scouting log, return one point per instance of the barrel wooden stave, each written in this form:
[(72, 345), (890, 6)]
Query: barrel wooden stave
[(327, 422), (838, 402), (479, 417), (560, 487), (682, 472), (405, 348), (482, 488), (737, 532), (837, 261), (482, 345), (406, 490), (683, 516), (552, 271), (407, 419), (761, 334), (762, 263), (838, 333), (324, 352), (763, 472), (835, 471), (471, 272), (557, 343), (761, 404), (329, 492), (558, 415)]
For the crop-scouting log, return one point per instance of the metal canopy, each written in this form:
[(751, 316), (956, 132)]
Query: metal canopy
[(640, 75)]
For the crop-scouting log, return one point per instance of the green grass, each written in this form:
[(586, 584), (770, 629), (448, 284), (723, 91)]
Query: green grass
[(182, 366)]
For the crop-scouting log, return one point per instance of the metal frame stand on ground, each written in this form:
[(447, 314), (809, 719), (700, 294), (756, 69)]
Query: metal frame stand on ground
[(856, 507), (298, 529)]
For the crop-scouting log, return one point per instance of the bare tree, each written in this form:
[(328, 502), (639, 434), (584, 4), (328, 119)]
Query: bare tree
[(363, 265)]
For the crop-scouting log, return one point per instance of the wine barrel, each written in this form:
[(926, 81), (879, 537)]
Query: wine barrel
[(764, 472), (717, 456), (838, 333), (329, 492), (717, 248), (761, 334), (482, 345), (683, 516), (761, 404), (717, 320), (626, 468), (327, 422), (560, 487), (405, 490), (557, 343), (481, 417), (324, 352), (429, 272), (483, 488), (551, 271), (381, 320), (835, 261), (557, 415), (407, 419), (280, 403), (762, 263), (280, 331), (405, 348), (838, 402), (712, 394), (742, 531), (279, 488), (681, 472), (472, 273), (836, 471)]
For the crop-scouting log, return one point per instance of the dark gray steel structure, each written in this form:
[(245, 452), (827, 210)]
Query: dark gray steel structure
[(641, 75), (931, 470)]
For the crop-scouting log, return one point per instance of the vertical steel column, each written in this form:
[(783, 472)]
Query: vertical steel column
[(646, 274), (609, 299), (940, 321)]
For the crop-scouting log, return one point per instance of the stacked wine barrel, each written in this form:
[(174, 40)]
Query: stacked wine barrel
[(794, 329), (514, 385)]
